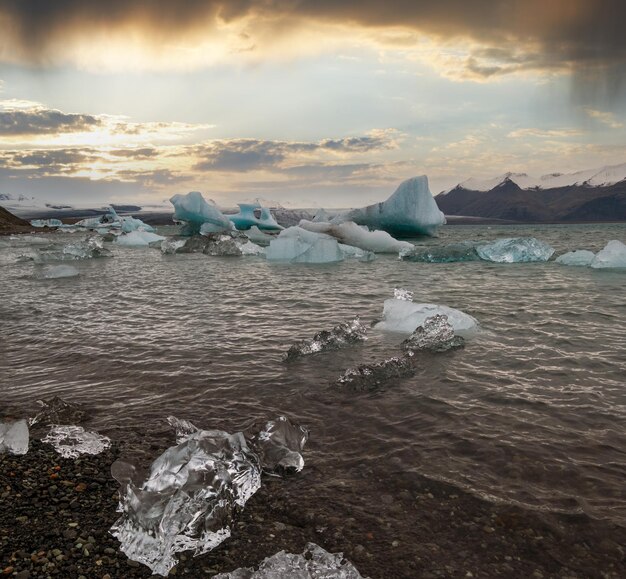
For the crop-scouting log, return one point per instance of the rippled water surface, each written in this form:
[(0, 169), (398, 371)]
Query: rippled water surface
[(532, 411)]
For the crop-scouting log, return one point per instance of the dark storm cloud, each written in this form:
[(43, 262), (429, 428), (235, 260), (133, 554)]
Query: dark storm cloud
[(44, 122)]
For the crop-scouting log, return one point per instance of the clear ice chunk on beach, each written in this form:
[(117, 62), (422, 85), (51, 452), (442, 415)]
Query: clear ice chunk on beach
[(297, 245), (194, 489), (55, 410), (349, 233), (313, 563), (57, 272), (279, 445), (515, 250), (14, 437), (341, 335), (436, 334), (579, 257), (73, 441), (196, 212), (405, 317), (613, 256), (411, 210)]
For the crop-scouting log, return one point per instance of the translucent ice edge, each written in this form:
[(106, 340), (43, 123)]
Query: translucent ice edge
[(72, 441)]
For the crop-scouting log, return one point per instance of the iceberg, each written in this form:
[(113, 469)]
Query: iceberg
[(436, 334), (351, 252), (411, 210), (194, 489), (72, 441), (322, 216), (107, 221), (464, 251), (612, 256), (213, 244), (138, 238), (580, 257), (224, 246), (515, 250), (349, 233), (129, 223), (57, 272), (247, 218), (405, 317), (199, 214), (313, 563), (249, 248), (88, 248), (14, 437), (172, 245), (259, 237), (369, 377), (344, 334), (297, 245), (46, 223), (57, 411)]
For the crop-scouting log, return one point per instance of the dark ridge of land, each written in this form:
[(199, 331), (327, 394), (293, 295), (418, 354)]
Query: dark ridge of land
[(11, 224), (55, 515)]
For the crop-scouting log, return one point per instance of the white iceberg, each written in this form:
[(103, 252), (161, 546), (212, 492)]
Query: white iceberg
[(612, 256), (405, 316), (247, 218), (107, 221), (14, 437), (138, 238), (349, 233), (411, 210), (73, 441), (129, 223), (297, 245), (580, 257), (194, 489), (515, 250), (199, 214), (58, 271), (313, 563)]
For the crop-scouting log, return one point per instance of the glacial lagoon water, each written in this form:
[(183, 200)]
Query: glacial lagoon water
[(532, 411)]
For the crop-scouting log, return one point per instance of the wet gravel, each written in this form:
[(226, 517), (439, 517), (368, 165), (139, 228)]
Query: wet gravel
[(55, 514)]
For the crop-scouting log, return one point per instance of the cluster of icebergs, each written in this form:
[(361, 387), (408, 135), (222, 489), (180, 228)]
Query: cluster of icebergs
[(613, 256)]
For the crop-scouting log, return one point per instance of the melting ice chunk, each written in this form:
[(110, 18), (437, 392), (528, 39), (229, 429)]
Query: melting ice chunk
[(57, 411), (297, 245), (612, 256), (193, 490), (404, 316), (369, 377), (138, 238), (14, 437), (436, 334), (171, 245), (464, 251), (580, 257), (58, 271), (314, 563), (183, 428), (411, 210), (279, 445), (349, 233), (515, 250), (341, 335), (72, 441), (402, 294), (88, 248)]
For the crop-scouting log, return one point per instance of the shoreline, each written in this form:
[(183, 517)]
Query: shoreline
[(55, 514)]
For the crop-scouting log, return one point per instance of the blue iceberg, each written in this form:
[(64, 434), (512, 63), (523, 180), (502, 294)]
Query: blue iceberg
[(247, 218), (46, 223), (515, 250), (410, 211), (198, 214), (297, 245)]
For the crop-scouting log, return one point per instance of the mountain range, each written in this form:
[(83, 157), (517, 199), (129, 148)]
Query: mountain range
[(591, 195)]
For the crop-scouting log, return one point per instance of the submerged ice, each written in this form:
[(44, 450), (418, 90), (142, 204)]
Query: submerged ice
[(515, 250), (410, 211), (436, 334), (454, 252), (88, 248), (14, 437), (313, 563), (341, 335), (368, 377), (193, 490), (57, 272), (72, 441)]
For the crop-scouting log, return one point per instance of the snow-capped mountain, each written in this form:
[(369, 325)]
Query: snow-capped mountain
[(590, 195)]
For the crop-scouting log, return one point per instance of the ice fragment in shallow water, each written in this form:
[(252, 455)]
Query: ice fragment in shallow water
[(193, 491), (411, 210), (14, 437), (580, 257), (297, 245), (402, 294), (341, 335), (349, 233), (88, 248), (57, 411), (515, 250), (183, 428), (404, 316), (368, 377), (197, 213), (612, 256), (314, 563), (464, 251), (172, 245), (351, 252), (279, 445), (72, 441), (436, 334), (58, 271)]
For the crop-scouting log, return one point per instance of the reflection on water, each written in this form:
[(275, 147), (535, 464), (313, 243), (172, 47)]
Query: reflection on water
[(532, 411)]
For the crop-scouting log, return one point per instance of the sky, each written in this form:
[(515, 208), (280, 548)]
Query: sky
[(306, 103)]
